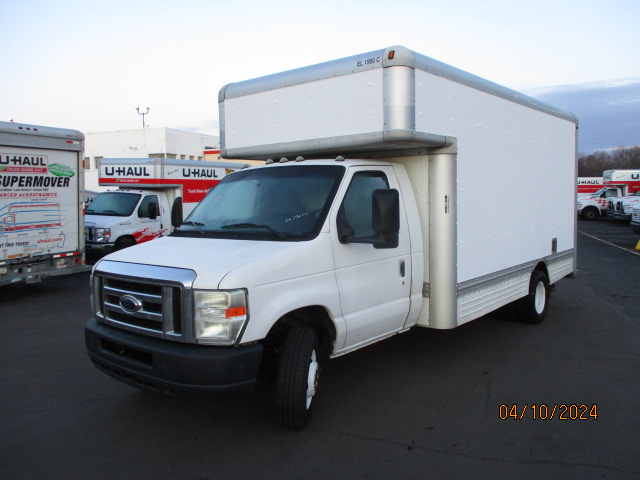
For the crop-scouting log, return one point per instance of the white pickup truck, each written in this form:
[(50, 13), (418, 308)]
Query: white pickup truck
[(621, 207), (374, 213), (635, 218)]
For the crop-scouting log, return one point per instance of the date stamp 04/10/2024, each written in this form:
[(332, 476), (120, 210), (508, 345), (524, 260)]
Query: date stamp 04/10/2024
[(544, 411)]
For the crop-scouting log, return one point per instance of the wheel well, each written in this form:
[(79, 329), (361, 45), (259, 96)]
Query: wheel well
[(315, 317), (126, 238), (541, 266)]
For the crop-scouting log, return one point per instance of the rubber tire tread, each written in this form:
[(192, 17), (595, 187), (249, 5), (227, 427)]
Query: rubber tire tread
[(291, 380), (124, 242), (526, 306), (590, 213)]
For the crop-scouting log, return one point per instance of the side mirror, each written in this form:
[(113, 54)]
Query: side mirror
[(153, 210), (176, 212), (386, 218)]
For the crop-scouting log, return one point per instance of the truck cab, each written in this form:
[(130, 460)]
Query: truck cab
[(597, 204), (621, 207), (122, 218), (153, 196)]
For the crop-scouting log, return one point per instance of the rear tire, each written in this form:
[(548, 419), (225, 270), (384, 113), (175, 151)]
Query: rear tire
[(533, 308), (297, 378)]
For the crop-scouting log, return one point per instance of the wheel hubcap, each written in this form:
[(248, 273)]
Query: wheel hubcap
[(312, 378), (540, 298)]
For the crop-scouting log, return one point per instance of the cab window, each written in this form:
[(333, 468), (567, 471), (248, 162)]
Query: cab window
[(143, 209), (357, 208)]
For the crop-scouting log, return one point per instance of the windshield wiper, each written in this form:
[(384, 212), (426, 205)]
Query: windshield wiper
[(90, 211), (239, 226), (198, 225)]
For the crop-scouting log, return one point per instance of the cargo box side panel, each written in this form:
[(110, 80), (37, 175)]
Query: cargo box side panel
[(516, 175), (39, 202), (311, 114)]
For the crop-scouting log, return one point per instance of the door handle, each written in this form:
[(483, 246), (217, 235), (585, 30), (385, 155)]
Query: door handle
[(402, 268)]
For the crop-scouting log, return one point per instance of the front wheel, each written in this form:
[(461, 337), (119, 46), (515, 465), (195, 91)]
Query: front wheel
[(124, 242), (297, 378), (590, 213), (533, 308)]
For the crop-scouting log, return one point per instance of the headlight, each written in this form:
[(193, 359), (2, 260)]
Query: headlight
[(103, 234), (628, 208), (579, 204), (219, 315)]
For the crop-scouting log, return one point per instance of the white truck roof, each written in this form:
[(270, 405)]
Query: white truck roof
[(356, 105)]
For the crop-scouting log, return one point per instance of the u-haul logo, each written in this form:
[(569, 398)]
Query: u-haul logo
[(14, 163), (126, 172), (199, 173)]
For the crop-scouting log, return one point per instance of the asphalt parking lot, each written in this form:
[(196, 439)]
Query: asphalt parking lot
[(491, 399)]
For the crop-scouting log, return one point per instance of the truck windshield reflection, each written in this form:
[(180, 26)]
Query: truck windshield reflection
[(114, 203), (271, 203)]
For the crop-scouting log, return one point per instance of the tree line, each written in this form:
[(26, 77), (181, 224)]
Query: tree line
[(593, 164)]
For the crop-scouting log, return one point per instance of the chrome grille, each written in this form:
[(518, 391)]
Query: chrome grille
[(149, 305), (89, 234)]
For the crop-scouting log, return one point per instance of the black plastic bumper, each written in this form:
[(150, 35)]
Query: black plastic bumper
[(171, 367)]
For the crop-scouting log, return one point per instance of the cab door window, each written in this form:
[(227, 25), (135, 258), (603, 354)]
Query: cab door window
[(356, 212), (143, 209)]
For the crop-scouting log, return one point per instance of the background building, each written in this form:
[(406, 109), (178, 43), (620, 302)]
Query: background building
[(142, 143)]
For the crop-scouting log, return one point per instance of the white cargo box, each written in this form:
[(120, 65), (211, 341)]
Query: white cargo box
[(500, 200)]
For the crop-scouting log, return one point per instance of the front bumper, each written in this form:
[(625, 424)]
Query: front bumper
[(171, 367), (99, 248), (619, 215), (635, 227)]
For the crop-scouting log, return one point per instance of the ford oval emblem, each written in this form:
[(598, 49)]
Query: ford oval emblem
[(130, 303)]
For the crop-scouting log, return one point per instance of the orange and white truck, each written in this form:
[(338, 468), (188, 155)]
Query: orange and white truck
[(154, 195), (616, 183), (41, 199)]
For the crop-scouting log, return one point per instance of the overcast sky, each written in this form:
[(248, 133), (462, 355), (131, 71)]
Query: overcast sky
[(86, 64)]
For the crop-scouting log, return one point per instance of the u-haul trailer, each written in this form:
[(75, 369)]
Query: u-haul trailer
[(154, 196), (375, 212), (41, 198)]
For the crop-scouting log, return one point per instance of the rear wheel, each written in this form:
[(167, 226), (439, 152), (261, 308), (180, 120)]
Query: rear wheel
[(533, 308), (297, 378)]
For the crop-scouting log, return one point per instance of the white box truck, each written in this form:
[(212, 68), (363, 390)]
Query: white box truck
[(376, 213), (41, 199), (154, 196)]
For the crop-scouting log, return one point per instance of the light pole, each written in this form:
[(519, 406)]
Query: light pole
[(143, 113)]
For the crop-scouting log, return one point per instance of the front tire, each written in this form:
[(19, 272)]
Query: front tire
[(124, 242), (590, 213), (533, 308), (297, 378)]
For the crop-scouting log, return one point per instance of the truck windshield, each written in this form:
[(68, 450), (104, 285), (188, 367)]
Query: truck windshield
[(280, 202), (117, 204)]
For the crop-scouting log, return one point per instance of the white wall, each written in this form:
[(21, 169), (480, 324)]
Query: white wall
[(142, 143)]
